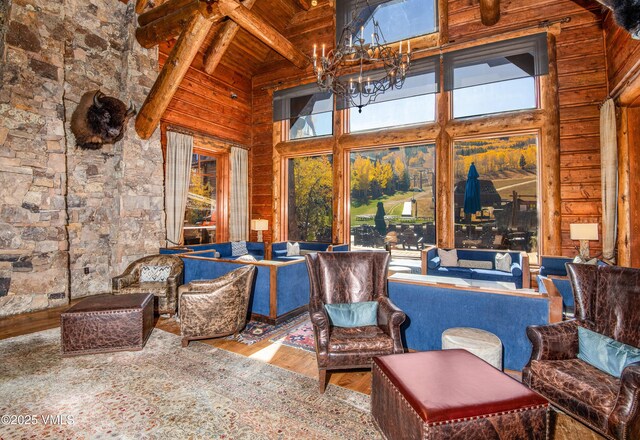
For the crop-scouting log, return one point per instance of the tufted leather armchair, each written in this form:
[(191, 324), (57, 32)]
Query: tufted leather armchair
[(165, 292), (215, 308), (347, 277), (607, 300)]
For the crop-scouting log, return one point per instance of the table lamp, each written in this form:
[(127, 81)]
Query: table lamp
[(259, 225), (584, 232)]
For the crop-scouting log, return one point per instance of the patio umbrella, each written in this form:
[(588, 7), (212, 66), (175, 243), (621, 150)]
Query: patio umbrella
[(381, 225), (472, 191)]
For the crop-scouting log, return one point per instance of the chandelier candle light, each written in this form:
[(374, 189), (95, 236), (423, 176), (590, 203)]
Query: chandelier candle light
[(345, 70)]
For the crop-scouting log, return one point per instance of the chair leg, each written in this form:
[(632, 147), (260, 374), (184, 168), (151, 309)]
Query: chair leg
[(322, 380), (185, 342)]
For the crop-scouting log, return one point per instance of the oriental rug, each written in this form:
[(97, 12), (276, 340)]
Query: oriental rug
[(256, 331), (300, 336), (166, 392)]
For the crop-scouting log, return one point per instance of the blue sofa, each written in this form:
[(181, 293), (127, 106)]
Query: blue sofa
[(281, 289), (279, 249), (255, 248), (520, 274), (432, 308)]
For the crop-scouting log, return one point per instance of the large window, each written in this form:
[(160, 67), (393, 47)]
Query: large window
[(307, 111), (496, 77), (398, 19), (200, 211), (310, 198), (393, 198), (504, 214)]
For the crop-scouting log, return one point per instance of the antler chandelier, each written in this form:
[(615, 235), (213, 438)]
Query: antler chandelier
[(357, 70)]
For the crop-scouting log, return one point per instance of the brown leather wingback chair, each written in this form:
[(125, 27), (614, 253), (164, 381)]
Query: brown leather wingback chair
[(347, 277), (215, 308), (607, 300), (164, 291)]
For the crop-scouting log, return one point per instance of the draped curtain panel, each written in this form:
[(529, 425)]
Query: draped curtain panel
[(609, 164), (177, 179), (239, 200)]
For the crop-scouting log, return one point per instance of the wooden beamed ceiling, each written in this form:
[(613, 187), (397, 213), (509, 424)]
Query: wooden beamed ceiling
[(241, 35)]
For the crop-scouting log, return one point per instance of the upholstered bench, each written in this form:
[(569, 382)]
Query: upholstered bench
[(451, 395), (105, 323)]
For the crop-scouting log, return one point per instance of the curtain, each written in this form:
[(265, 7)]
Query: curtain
[(609, 179), (239, 200), (177, 179)]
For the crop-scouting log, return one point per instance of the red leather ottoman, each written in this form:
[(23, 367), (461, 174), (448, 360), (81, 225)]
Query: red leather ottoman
[(105, 323), (452, 394)]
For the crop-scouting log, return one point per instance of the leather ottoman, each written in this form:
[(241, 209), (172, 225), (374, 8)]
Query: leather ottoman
[(106, 323), (451, 395)]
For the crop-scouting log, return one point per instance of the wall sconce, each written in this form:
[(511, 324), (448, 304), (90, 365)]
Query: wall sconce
[(259, 225), (584, 232)]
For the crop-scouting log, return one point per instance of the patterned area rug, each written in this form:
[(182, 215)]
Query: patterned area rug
[(256, 331), (166, 392), (301, 336)]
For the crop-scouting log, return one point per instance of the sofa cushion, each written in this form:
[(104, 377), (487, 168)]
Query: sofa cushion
[(433, 263), (154, 274), (503, 262), (580, 382), (239, 248), (491, 275), (448, 258), (516, 270), (475, 264), (459, 272), (604, 353)]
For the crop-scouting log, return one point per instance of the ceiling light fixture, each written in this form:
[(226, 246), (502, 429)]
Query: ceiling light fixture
[(359, 70)]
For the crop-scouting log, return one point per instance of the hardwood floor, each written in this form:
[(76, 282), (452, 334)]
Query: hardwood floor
[(289, 358)]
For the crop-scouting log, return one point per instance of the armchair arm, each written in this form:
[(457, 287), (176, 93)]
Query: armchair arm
[(390, 317), (625, 417), (554, 341), (121, 281), (321, 328)]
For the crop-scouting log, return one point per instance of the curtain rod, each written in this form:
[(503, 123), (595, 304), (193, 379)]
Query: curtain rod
[(192, 132)]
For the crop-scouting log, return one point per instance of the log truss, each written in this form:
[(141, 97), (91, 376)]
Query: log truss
[(190, 21)]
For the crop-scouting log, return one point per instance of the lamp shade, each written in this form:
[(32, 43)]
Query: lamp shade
[(259, 225), (584, 231)]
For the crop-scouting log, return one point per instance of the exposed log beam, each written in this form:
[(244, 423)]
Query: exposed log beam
[(161, 10), (489, 12), (221, 42), (253, 24), (172, 73), (141, 5), (170, 25), (304, 4)]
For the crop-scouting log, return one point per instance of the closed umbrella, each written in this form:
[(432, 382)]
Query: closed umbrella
[(381, 225), (472, 191)]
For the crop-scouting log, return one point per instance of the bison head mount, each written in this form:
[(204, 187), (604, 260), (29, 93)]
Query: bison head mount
[(626, 13), (99, 120)]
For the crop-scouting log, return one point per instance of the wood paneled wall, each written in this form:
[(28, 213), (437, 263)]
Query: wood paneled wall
[(204, 102), (582, 84), (623, 62)]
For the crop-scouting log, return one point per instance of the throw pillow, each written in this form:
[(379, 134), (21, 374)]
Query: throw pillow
[(448, 258), (503, 262), (293, 249), (357, 314), (604, 353), (247, 257), (579, 260), (475, 264), (154, 274), (239, 248)]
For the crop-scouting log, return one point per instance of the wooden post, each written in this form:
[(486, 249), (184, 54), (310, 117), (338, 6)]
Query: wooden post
[(444, 160), (221, 42), (172, 73), (263, 31), (341, 233), (489, 12), (624, 190), (551, 243)]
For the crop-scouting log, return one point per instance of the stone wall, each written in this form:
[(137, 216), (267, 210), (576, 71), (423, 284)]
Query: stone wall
[(71, 218)]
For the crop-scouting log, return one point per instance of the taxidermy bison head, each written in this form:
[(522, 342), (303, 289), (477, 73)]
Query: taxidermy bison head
[(627, 14), (99, 119)]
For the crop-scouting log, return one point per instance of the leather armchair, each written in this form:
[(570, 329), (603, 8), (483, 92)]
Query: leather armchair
[(607, 300), (165, 292), (347, 277), (215, 308)]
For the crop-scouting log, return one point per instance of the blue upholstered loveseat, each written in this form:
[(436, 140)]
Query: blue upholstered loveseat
[(255, 248), (519, 274), (279, 249)]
